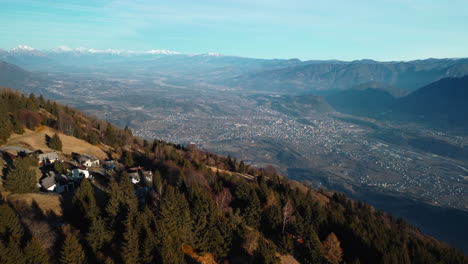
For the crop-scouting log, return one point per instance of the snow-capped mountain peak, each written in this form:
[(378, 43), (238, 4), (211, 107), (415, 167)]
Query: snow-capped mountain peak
[(209, 54), (215, 54), (63, 49), (25, 50), (166, 52), (66, 49)]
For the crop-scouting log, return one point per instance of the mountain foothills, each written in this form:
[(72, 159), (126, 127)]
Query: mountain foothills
[(14, 76), (441, 104), (157, 202), (338, 75)]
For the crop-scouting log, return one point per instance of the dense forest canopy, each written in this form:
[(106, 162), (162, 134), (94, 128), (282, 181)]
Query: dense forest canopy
[(197, 207)]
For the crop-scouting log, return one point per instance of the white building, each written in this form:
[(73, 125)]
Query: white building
[(80, 174)]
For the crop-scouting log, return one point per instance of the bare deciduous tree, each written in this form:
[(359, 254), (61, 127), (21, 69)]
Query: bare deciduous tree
[(222, 199), (287, 214)]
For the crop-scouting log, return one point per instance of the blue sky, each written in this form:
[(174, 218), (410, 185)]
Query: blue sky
[(305, 29)]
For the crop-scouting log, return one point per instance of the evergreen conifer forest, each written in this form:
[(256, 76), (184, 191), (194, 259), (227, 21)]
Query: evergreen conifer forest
[(158, 202)]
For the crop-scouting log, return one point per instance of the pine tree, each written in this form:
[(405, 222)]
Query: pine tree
[(41, 101), (21, 178), (93, 137), (146, 222), (85, 201), (98, 235), (11, 230), (31, 103), (242, 167), (72, 252), (148, 246), (110, 136), (55, 143), (54, 109), (10, 253), (59, 167), (312, 250), (226, 227), (128, 131), (207, 236), (171, 250), (34, 253), (122, 200), (128, 193), (5, 127), (271, 220), (130, 245), (174, 226), (249, 204), (128, 160), (114, 200), (265, 253), (17, 126)]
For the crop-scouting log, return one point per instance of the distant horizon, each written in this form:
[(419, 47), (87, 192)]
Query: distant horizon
[(390, 30), (211, 53)]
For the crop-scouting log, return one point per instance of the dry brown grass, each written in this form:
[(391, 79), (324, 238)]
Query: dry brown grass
[(288, 259), (36, 140), (320, 198), (207, 258), (46, 202), (40, 213)]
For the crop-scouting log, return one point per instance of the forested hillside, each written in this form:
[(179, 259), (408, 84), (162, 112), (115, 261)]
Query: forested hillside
[(440, 104), (190, 206)]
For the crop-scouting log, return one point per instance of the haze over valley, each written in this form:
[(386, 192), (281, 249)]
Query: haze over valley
[(370, 129)]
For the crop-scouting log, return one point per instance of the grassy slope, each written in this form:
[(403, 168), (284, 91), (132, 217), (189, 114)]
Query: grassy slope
[(36, 140), (46, 202)]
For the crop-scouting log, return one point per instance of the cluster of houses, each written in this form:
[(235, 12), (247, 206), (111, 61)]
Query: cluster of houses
[(73, 171), (138, 174), (77, 169), (83, 166)]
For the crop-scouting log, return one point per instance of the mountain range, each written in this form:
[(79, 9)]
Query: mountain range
[(287, 76), (369, 88), (339, 75)]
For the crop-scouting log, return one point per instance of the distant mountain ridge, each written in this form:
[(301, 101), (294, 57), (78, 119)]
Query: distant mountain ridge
[(442, 100), (18, 78), (286, 76), (344, 75), (30, 51), (442, 103), (212, 65), (365, 102)]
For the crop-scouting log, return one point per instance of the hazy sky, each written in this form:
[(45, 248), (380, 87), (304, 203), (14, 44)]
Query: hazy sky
[(305, 29)]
